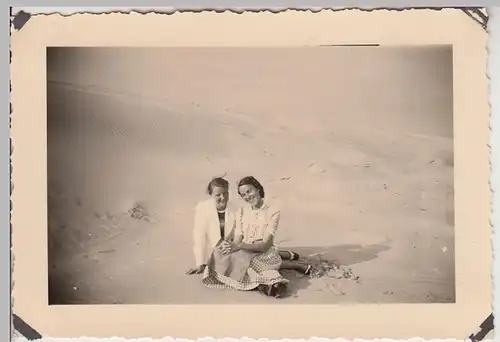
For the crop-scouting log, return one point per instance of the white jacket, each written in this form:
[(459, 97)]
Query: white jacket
[(206, 233)]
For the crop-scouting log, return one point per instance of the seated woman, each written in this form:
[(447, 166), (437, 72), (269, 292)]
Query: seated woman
[(214, 223), (249, 259)]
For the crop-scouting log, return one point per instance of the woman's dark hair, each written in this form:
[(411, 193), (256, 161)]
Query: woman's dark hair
[(217, 182), (250, 180)]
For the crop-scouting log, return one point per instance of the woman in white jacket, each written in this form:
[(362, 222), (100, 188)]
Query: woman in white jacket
[(214, 221)]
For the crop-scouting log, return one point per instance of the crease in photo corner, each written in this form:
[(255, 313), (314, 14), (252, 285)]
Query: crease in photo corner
[(478, 14)]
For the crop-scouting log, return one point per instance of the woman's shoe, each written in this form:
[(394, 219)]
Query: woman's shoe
[(275, 290), (293, 255), (312, 272), (280, 290), (265, 290), (308, 270)]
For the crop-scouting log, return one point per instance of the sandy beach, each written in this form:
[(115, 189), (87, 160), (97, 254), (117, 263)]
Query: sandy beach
[(355, 144)]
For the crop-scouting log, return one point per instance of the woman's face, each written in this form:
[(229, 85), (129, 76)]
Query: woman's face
[(221, 196), (250, 194)]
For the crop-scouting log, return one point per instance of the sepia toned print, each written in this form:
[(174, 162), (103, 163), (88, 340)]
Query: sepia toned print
[(240, 177), (353, 147)]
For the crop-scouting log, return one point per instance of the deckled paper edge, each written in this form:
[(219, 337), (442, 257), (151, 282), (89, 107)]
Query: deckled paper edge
[(493, 30)]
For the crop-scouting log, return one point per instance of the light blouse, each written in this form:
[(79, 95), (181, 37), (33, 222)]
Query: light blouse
[(256, 224)]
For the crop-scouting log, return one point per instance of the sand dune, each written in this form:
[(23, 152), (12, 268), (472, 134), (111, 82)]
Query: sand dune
[(355, 146)]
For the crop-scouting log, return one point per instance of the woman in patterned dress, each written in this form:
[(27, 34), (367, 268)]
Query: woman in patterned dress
[(249, 259)]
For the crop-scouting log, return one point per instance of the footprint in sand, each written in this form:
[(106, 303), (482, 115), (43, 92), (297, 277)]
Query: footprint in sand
[(443, 159), (268, 153), (316, 169)]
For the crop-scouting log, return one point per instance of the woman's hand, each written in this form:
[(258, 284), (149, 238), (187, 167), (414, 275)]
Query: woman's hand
[(235, 246), (196, 270), (227, 247)]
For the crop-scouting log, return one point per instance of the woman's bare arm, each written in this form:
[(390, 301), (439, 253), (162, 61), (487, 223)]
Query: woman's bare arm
[(257, 247)]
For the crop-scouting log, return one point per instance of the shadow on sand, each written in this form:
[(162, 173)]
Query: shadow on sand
[(339, 257)]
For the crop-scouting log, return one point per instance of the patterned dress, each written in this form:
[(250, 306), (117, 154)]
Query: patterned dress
[(244, 270)]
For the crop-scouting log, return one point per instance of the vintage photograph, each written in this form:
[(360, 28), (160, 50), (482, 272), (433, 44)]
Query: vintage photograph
[(250, 175), (276, 175)]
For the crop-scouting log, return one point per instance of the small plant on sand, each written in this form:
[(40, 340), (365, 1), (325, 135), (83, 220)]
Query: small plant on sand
[(330, 269), (140, 212)]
